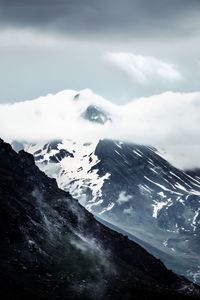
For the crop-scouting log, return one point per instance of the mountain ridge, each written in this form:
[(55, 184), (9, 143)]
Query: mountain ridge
[(53, 248), (134, 188)]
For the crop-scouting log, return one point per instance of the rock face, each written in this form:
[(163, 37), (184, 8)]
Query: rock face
[(95, 114), (52, 248), (133, 188)]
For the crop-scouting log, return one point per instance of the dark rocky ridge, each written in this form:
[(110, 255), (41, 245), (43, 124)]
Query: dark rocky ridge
[(194, 173), (52, 248)]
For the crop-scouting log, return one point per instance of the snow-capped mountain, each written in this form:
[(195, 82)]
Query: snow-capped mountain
[(53, 248), (164, 121), (134, 188), (126, 184)]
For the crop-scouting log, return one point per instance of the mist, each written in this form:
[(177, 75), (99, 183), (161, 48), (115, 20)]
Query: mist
[(168, 121)]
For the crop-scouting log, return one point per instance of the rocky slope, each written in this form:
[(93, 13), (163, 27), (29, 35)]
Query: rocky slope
[(134, 188), (52, 248)]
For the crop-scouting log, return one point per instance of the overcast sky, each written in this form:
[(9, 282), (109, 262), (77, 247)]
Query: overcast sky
[(121, 49)]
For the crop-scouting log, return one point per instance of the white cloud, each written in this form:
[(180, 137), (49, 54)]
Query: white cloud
[(123, 198), (168, 121), (144, 69), (129, 211)]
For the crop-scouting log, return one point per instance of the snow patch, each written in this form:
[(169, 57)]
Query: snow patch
[(75, 174), (157, 206), (109, 207)]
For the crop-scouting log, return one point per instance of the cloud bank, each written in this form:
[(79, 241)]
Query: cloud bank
[(169, 121), (118, 17)]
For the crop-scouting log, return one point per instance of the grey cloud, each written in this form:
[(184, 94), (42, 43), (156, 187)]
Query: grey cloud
[(47, 46), (85, 17)]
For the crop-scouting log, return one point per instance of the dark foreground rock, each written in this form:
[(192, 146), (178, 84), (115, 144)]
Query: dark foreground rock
[(52, 248)]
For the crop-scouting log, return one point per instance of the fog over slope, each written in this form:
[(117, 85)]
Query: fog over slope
[(168, 121)]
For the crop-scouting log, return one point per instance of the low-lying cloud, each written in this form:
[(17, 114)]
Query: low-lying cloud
[(123, 198), (169, 121)]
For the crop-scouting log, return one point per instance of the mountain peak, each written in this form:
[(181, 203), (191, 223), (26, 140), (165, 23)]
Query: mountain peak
[(96, 114)]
